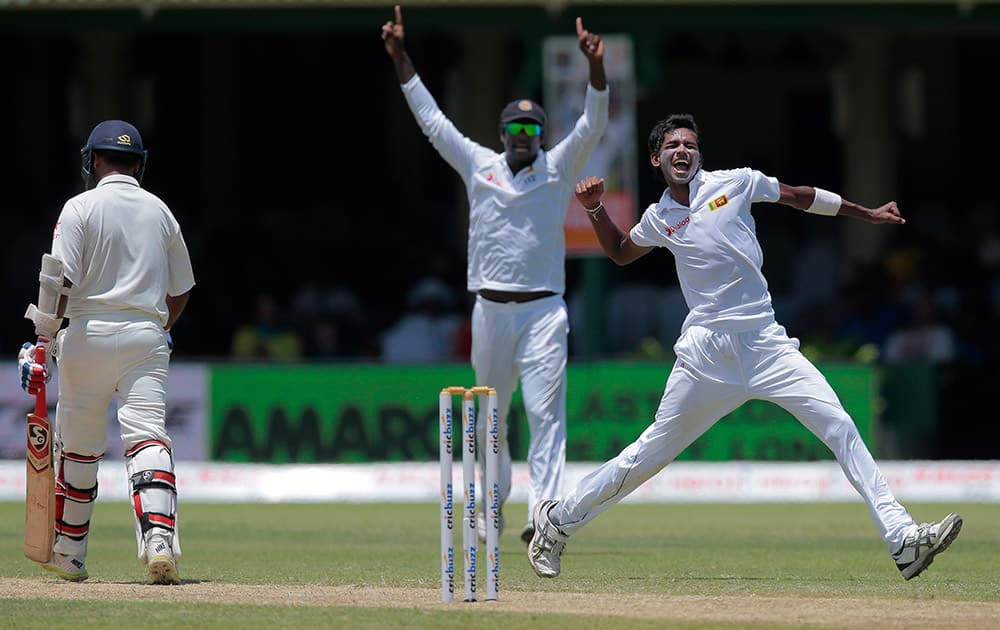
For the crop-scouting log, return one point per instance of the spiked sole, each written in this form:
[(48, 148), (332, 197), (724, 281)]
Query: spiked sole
[(163, 570), (943, 543)]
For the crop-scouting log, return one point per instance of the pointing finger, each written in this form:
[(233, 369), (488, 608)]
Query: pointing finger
[(579, 27), (399, 15)]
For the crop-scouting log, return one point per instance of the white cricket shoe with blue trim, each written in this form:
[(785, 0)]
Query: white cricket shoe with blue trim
[(920, 547), (547, 542)]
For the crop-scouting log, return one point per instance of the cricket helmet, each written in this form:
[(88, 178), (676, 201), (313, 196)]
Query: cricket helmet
[(112, 135)]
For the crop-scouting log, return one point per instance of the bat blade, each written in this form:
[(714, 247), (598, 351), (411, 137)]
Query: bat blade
[(39, 483)]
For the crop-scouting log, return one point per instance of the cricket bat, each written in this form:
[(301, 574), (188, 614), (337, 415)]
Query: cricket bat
[(39, 483)]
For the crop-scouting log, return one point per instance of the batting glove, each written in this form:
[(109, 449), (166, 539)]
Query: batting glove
[(33, 376)]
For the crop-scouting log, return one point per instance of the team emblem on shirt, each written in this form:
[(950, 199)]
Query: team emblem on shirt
[(718, 202)]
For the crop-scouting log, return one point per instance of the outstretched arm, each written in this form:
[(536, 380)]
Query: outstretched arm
[(822, 202), (593, 49), (615, 243), (392, 36)]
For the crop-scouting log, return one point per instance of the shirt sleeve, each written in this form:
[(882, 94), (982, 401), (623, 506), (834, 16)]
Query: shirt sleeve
[(457, 150), (68, 242), (180, 276), (764, 188), (586, 134)]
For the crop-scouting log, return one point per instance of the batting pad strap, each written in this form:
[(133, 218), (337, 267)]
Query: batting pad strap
[(825, 202), (84, 495), (73, 532), (153, 479), (152, 519)]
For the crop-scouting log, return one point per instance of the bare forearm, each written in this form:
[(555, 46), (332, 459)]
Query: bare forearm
[(851, 209), (175, 306), (610, 236), (597, 77), (808, 198), (404, 66)]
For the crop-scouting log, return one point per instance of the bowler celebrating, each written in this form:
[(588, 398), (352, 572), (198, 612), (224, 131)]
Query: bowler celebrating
[(731, 349)]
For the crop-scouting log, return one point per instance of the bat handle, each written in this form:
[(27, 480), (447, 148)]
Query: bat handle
[(40, 402)]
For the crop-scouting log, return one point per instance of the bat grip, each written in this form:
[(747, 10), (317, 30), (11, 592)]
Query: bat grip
[(40, 403)]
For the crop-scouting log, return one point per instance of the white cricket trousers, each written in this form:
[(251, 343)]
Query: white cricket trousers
[(100, 357), (527, 340), (716, 372)]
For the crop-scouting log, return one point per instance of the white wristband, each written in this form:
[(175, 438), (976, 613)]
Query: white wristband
[(825, 203), (593, 211)]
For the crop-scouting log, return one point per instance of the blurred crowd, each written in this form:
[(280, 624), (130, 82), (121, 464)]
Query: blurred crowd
[(921, 300)]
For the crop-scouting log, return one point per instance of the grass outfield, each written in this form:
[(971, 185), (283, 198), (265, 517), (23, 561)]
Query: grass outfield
[(376, 566)]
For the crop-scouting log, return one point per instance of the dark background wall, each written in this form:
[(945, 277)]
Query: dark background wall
[(280, 140)]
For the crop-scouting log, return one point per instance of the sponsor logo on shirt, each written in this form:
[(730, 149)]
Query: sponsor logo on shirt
[(670, 230), (717, 203), (493, 179)]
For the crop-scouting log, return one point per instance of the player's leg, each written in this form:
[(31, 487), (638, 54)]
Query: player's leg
[(493, 362), (782, 375), (704, 385), (86, 386), (542, 350), (148, 459)]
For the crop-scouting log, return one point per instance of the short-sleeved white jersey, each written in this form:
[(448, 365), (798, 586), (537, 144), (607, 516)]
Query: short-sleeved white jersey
[(715, 247), (122, 249), (516, 240)]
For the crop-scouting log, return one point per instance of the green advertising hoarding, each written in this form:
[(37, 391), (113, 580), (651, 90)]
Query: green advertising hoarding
[(362, 413)]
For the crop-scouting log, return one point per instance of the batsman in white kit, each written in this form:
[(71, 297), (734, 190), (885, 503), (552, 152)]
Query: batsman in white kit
[(517, 254), (120, 272), (730, 348)]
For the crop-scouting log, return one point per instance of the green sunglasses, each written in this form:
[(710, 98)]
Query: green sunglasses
[(529, 129)]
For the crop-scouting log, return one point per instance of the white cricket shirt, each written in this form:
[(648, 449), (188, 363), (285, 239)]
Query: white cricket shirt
[(516, 240), (122, 249), (715, 247)]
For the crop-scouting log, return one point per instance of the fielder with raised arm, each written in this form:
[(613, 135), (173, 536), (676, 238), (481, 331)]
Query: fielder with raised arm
[(731, 349), (517, 254), (124, 280)]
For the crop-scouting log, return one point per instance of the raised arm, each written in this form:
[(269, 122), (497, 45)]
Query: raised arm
[(392, 36), (819, 201), (615, 243), (593, 49)]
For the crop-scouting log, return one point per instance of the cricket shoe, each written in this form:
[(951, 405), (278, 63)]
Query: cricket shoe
[(547, 542), (70, 568), (160, 561), (920, 547), (481, 525)]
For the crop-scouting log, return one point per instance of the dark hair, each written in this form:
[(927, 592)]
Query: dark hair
[(671, 123), (120, 159)]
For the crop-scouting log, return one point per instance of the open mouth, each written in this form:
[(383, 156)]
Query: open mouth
[(681, 166)]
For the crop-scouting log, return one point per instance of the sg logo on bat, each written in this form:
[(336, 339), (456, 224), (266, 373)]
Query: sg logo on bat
[(38, 444)]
